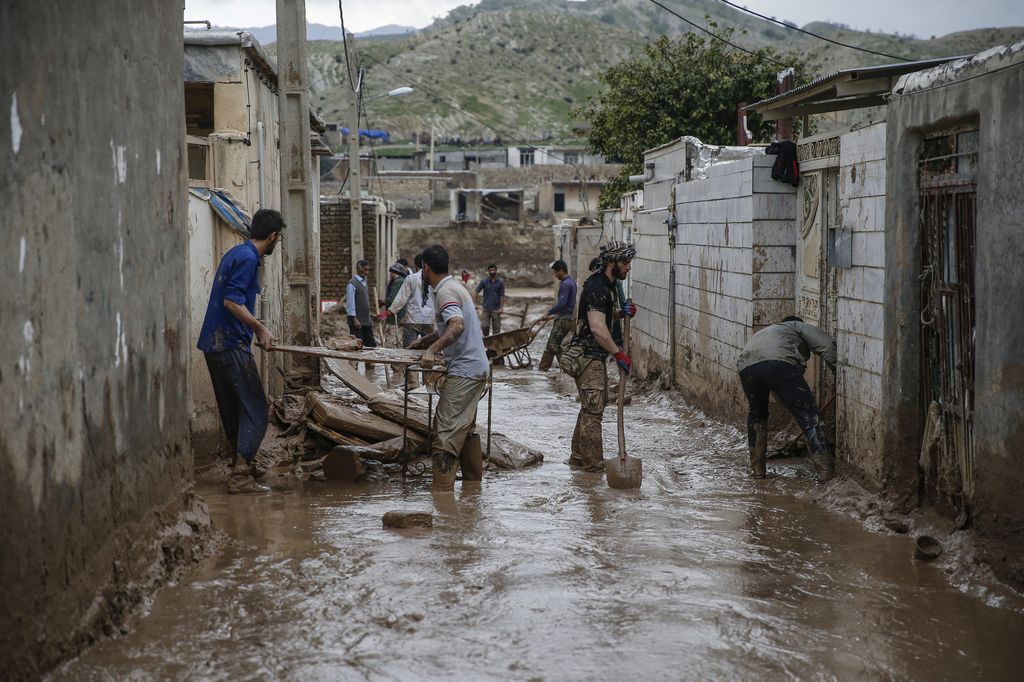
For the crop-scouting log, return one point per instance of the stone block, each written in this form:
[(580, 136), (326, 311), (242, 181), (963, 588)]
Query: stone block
[(408, 519)]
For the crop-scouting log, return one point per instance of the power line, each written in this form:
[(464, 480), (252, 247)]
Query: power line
[(815, 35), (714, 35), (344, 40)]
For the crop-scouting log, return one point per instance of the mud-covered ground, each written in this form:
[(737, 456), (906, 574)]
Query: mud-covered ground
[(548, 574)]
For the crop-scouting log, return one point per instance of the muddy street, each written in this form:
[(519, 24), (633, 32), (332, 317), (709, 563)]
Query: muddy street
[(548, 574)]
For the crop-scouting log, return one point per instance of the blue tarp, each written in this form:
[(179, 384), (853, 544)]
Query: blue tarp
[(382, 135), (237, 219)]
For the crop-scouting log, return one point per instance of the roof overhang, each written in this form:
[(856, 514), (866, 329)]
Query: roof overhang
[(842, 90)]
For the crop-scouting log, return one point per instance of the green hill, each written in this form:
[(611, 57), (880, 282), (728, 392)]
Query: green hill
[(521, 65)]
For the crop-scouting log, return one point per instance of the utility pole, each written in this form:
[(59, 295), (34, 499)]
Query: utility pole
[(355, 179), (301, 243), (431, 147)]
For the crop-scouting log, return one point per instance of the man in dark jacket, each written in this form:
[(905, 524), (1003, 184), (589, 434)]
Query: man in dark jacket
[(774, 361)]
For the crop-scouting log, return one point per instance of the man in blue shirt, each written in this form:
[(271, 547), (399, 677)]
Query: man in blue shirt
[(494, 300), (562, 311), (225, 340)]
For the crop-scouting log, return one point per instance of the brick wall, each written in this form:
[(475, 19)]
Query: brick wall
[(336, 248)]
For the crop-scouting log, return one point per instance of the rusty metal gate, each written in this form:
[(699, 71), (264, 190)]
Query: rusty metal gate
[(948, 199)]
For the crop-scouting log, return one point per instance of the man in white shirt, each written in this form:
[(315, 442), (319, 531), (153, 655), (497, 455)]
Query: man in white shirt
[(418, 302), (458, 335)]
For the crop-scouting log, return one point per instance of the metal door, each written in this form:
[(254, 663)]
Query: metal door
[(948, 200)]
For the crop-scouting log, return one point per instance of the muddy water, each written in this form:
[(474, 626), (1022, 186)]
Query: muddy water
[(548, 574)]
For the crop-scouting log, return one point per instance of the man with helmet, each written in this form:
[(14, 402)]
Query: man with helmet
[(598, 309)]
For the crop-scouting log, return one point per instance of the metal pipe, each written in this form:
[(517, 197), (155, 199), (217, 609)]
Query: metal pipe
[(261, 155), (647, 176)]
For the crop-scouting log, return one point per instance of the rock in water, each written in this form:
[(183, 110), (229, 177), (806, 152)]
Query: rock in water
[(408, 519)]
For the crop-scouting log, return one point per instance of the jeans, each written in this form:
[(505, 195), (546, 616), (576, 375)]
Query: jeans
[(787, 382), (241, 400)]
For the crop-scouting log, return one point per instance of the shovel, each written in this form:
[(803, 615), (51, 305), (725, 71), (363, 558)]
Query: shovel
[(624, 472)]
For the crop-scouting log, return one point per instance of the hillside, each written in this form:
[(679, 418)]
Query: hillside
[(521, 65)]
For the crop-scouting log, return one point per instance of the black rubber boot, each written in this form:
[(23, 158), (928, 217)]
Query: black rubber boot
[(545, 361), (821, 458), (759, 450)]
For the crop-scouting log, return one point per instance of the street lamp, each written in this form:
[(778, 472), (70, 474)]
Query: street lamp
[(397, 92)]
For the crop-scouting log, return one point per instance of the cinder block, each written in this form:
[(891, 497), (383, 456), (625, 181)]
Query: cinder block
[(774, 232)]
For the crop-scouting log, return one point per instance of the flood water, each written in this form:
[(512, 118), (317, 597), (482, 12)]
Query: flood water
[(547, 574)]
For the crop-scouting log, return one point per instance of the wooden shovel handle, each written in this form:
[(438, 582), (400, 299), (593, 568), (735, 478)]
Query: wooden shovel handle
[(622, 390)]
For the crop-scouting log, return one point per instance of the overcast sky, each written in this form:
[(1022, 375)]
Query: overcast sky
[(923, 18)]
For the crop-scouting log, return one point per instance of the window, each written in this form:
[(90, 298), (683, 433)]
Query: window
[(441, 158), (559, 202), (571, 158), (526, 157)]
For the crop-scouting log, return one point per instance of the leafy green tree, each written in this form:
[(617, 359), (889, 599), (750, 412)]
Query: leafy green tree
[(688, 86)]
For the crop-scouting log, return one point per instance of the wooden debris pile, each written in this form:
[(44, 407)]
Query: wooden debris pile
[(362, 437)]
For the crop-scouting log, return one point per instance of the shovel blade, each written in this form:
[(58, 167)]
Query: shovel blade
[(624, 473)]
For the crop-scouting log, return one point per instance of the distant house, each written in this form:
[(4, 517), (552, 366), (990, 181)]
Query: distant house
[(522, 156), (486, 205), (568, 198)]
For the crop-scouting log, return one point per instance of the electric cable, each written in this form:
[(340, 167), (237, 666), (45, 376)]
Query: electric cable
[(344, 41), (758, 55), (815, 35)]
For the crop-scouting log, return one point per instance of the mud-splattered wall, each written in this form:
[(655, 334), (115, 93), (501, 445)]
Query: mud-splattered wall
[(861, 292), (94, 450), (733, 260)]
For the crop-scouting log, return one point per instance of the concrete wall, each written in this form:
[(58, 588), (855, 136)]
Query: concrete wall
[(987, 91), (94, 436), (523, 253), (734, 262), (860, 311)]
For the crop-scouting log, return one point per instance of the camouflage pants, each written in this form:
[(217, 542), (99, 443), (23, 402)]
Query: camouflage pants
[(587, 443), (559, 330)]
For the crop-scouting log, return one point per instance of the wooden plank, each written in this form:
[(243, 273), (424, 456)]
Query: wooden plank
[(379, 356), (388, 404), (353, 378), (333, 435), (351, 420)]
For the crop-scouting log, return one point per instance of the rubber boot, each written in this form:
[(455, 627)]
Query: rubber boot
[(759, 450), (471, 459), (545, 361), (824, 465), (444, 470), (821, 458)]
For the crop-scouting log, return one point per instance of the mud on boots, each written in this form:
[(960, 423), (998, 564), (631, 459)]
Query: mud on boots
[(226, 339), (562, 312), (458, 335), (774, 361)]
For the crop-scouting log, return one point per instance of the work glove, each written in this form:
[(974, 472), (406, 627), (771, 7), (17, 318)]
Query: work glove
[(384, 314), (629, 310), (623, 361)]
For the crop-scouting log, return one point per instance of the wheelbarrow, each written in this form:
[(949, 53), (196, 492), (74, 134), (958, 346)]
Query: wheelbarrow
[(514, 345)]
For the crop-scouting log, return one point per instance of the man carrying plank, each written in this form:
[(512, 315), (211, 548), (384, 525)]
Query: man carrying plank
[(225, 340), (458, 335)]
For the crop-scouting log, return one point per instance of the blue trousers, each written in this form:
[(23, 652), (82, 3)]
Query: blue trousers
[(787, 382), (241, 400)]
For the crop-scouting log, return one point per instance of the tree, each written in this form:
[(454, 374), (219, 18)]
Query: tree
[(687, 86)]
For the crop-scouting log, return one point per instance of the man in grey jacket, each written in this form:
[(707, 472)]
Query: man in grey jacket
[(773, 361)]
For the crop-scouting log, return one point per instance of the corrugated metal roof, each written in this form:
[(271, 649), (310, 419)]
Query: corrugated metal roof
[(859, 73)]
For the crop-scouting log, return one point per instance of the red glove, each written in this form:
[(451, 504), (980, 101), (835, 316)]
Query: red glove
[(383, 315), (623, 361)]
